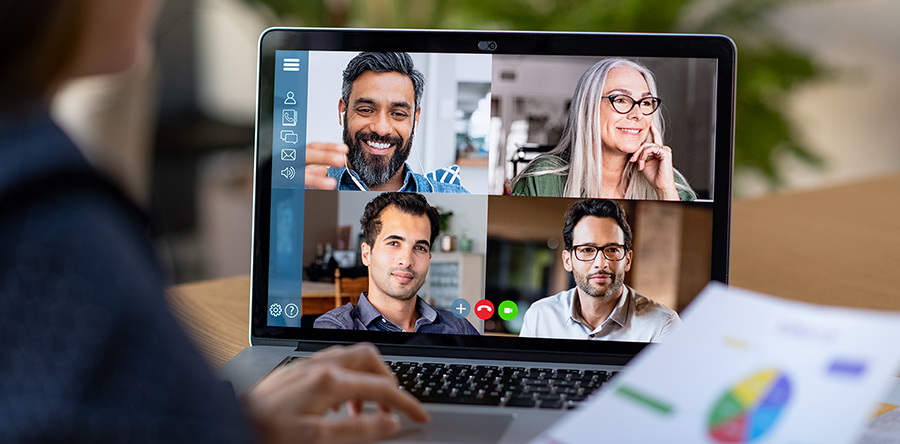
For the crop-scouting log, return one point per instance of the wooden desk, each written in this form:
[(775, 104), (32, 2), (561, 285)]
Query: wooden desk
[(838, 246), (216, 314)]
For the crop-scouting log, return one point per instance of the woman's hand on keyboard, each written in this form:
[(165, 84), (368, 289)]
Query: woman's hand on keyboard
[(291, 404)]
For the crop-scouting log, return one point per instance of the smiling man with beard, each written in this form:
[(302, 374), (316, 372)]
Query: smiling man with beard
[(399, 230), (598, 254), (379, 110)]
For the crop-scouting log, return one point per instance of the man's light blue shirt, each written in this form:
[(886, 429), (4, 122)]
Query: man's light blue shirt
[(440, 181)]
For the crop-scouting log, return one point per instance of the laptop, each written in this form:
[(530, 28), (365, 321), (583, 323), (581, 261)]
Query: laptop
[(492, 101)]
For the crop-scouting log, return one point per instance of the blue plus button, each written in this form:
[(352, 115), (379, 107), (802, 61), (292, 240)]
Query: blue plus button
[(460, 308)]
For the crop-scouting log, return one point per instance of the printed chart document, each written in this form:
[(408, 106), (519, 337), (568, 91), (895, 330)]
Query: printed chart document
[(746, 367), (883, 426)]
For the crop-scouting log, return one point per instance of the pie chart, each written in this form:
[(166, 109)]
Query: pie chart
[(750, 408)]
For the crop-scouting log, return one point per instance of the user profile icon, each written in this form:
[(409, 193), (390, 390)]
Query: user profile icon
[(460, 308)]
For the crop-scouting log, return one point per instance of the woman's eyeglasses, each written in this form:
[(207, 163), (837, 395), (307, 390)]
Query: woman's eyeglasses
[(623, 104)]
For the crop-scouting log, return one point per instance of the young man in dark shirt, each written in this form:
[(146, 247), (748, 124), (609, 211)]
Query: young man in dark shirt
[(399, 231)]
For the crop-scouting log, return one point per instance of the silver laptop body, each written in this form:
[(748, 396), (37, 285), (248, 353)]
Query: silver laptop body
[(492, 102)]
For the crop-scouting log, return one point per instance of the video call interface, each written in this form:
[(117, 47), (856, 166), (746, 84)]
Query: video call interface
[(483, 119)]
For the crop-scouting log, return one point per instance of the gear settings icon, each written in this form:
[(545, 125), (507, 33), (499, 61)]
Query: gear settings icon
[(275, 309)]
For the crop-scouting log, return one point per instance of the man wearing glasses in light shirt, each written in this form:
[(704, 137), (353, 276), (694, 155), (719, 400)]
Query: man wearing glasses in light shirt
[(601, 307)]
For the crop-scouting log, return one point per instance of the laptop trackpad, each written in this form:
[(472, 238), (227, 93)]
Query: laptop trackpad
[(456, 427)]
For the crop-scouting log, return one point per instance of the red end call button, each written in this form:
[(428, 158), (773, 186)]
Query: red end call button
[(484, 309)]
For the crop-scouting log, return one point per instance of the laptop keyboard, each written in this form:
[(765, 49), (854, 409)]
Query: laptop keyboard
[(493, 385), (544, 388)]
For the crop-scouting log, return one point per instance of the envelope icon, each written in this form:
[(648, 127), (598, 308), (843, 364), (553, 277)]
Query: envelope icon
[(288, 154)]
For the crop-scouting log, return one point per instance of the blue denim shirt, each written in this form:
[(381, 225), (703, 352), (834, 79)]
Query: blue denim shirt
[(364, 316), (412, 182)]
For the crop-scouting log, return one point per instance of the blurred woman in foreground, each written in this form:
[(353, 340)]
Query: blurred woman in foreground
[(88, 350)]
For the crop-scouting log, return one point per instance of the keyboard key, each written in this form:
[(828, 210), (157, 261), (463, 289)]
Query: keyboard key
[(567, 390), (538, 389), (598, 373), (521, 402), (533, 381), (551, 404)]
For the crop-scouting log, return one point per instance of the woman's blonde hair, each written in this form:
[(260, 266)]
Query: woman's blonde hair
[(578, 154)]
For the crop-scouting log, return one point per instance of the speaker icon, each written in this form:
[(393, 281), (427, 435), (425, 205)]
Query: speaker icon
[(289, 173)]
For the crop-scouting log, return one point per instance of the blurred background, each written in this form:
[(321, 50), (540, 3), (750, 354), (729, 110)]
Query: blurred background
[(815, 98)]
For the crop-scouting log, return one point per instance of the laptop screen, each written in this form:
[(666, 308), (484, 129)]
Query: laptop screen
[(551, 188)]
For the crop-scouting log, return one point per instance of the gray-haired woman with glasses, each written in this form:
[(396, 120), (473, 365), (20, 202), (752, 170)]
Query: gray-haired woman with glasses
[(612, 145)]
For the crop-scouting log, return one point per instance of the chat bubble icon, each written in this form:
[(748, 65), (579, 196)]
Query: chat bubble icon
[(289, 136)]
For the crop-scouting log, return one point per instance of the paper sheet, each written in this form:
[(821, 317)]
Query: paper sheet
[(883, 425), (745, 368)]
